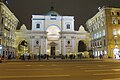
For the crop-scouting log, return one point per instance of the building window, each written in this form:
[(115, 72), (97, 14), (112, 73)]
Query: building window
[(37, 25), (97, 43), (100, 42), (118, 21), (114, 32), (0, 41), (91, 44), (118, 13), (37, 42), (113, 21), (104, 42), (2, 20), (68, 26), (112, 13), (103, 33), (68, 42)]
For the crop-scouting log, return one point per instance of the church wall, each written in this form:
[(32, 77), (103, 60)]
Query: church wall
[(67, 20), (38, 20), (48, 23), (67, 41)]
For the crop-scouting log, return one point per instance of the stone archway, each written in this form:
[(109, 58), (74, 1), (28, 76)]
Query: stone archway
[(23, 47), (81, 46), (53, 32)]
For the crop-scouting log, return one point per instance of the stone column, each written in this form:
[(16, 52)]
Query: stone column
[(46, 47), (73, 42), (42, 44), (32, 44), (64, 44), (60, 45)]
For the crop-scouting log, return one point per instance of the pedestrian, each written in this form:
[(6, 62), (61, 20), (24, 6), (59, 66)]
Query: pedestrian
[(101, 56), (66, 56), (47, 57)]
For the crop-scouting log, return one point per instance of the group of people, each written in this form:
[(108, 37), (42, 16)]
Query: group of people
[(46, 56), (24, 57)]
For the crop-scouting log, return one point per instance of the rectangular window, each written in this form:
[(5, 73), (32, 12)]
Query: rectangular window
[(114, 32), (100, 34), (37, 25), (0, 41), (104, 42), (91, 44), (100, 42), (53, 18), (2, 20), (103, 32), (119, 21), (68, 26)]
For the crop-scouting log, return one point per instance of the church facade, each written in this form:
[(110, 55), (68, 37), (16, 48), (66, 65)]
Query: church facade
[(51, 34)]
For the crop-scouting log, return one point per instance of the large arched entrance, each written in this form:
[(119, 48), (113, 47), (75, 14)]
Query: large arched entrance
[(23, 47), (81, 46), (53, 37)]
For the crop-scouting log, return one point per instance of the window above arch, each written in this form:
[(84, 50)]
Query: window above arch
[(68, 26), (37, 25)]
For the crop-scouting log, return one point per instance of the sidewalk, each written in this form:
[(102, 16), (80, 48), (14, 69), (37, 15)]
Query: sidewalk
[(60, 60)]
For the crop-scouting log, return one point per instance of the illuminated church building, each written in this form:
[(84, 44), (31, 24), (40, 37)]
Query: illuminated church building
[(51, 34)]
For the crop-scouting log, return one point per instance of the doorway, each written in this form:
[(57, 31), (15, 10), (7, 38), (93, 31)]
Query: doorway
[(53, 50)]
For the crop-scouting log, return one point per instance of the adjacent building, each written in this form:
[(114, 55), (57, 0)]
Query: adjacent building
[(8, 24), (51, 34), (104, 28)]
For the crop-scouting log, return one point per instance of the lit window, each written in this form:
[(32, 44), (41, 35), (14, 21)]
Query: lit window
[(37, 25), (103, 32), (114, 32), (100, 34), (68, 26)]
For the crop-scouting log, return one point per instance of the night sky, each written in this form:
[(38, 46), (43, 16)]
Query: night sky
[(81, 9)]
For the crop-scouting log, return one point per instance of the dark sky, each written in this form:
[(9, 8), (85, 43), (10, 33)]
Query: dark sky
[(81, 9)]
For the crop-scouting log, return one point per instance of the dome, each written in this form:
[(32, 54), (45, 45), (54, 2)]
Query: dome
[(52, 13)]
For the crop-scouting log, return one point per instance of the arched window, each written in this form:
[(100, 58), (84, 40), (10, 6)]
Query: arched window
[(68, 26), (37, 25), (68, 42), (37, 42), (81, 46), (118, 13)]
